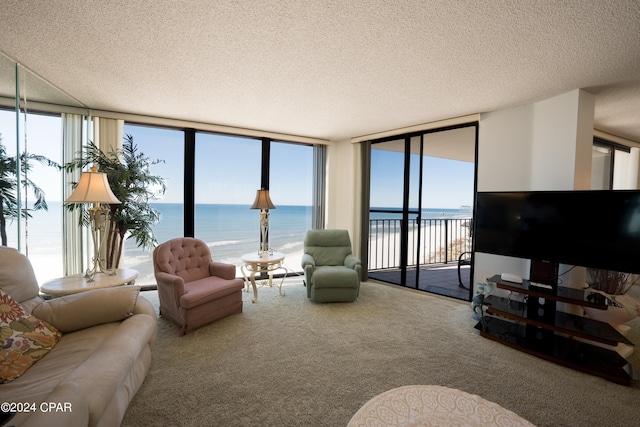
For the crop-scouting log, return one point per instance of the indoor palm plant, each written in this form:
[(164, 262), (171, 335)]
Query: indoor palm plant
[(9, 206), (128, 173)]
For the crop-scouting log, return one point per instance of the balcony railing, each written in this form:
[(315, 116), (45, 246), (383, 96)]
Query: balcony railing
[(440, 241)]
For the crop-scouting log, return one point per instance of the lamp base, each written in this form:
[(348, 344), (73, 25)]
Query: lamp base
[(90, 275), (264, 234), (98, 217)]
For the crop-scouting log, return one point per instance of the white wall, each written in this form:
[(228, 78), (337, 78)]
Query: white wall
[(343, 184), (504, 164), (562, 142), (504, 149), (543, 146)]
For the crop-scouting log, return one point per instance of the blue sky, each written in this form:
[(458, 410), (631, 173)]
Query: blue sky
[(43, 138), (228, 168), (446, 183)]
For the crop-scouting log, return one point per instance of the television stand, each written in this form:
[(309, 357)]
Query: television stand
[(537, 328)]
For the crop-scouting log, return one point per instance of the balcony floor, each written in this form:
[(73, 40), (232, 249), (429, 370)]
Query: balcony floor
[(441, 279)]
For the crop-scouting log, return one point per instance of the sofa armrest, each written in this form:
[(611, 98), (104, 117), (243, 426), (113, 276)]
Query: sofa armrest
[(223, 270), (80, 311), (143, 306)]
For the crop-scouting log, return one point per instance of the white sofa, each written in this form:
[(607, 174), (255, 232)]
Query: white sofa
[(99, 363)]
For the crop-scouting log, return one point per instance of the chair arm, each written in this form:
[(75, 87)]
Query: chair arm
[(167, 280), (223, 270), (351, 261), (307, 261), (308, 265), (464, 258)]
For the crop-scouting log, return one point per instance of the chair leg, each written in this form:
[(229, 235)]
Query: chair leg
[(460, 285), (460, 263)]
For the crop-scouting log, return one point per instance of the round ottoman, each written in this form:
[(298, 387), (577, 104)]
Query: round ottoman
[(431, 405)]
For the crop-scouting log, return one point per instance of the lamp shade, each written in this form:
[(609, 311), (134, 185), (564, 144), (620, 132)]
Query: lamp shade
[(262, 201), (93, 188)]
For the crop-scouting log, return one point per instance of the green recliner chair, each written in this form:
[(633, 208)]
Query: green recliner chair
[(332, 273)]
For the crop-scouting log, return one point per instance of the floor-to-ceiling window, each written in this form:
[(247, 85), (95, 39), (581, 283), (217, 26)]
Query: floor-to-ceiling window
[(43, 242), (8, 141), (211, 182), (290, 182), (226, 172), (40, 142), (420, 218), (227, 175), (167, 145), (31, 129), (386, 204)]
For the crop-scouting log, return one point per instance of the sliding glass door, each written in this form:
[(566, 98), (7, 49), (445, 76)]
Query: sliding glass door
[(447, 189), (386, 209), (420, 210)]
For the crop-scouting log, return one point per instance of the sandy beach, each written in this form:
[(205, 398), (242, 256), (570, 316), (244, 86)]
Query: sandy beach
[(384, 247)]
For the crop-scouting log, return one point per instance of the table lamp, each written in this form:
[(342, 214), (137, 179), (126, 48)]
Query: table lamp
[(263, 202), (93, 188)]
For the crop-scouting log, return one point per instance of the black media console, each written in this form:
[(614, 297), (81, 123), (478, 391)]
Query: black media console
[(536, 327)]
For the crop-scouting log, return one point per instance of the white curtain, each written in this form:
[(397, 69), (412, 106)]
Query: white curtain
[(108, 133), (319, 177), (625, 170), (363, 189), (75, 239)]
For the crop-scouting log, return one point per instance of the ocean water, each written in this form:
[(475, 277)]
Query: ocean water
[(426, 213), (229, 230), (233, 230)]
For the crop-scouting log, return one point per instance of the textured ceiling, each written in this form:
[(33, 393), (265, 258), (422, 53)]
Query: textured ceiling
[(331, 69)]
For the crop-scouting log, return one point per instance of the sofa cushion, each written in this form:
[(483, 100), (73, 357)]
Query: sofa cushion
[(327, 247), (186, 257), (24, 339), (89, 308), (328, 256), (208, 289), (335, 277)]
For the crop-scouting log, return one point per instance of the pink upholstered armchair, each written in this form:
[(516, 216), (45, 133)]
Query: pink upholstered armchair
[(193, 290)]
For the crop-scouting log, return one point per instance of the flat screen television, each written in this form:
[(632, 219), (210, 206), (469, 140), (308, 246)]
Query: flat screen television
[(599, 228)]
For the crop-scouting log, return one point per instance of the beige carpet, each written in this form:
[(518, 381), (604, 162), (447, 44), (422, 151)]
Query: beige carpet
[(288, 362)]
